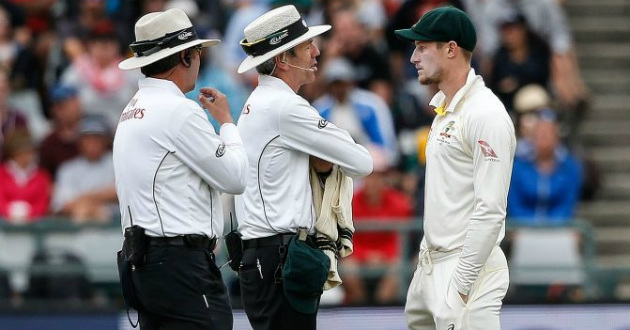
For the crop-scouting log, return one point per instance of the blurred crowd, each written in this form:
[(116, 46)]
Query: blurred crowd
[(61, 95)]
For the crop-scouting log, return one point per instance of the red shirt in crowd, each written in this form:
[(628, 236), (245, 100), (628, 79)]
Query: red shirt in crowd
[(35, 192), (393, 206)]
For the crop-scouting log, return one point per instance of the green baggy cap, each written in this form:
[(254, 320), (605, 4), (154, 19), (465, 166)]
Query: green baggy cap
[(304, 274), (442, 24)]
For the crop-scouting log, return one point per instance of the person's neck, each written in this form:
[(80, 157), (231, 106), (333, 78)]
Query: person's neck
[(172, 75), (67, 132), (453, 82), (519, 54), (289, 80)]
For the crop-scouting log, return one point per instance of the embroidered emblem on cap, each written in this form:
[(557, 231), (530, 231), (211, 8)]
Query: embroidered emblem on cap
[(220, 150)]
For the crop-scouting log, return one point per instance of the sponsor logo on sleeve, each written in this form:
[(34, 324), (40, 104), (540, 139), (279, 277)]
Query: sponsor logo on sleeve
[(322, 123), (487, 151), (220, 150)]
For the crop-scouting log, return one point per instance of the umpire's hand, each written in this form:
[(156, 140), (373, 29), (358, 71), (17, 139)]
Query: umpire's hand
[(216, 103)]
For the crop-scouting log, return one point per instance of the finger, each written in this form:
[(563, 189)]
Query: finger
[(208, 90), (205, 101), (211, 91)]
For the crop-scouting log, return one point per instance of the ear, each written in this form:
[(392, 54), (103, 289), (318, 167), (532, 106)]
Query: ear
[(184, 57), (281, 62), (451, 49)]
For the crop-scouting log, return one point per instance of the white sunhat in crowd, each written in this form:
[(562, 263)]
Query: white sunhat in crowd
[(161, 34), (273, 33)]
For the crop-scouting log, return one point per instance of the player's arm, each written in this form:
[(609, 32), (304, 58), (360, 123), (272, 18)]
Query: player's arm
[(302, 128), (492, 142), (219, 159)]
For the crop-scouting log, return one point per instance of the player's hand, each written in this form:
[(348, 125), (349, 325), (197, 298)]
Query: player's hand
[(320, 165), (216, 103)]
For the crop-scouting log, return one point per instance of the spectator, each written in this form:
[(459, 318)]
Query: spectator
[(18, 62), (546, 183), (24, 187), (548, 20), (85, 190), (61, 144), (103, 88), (76, 26), (376, 200), (350, 39), (528, 101), (360, 112), (10, 118), (245, 11), (522, 59), (16, 58)]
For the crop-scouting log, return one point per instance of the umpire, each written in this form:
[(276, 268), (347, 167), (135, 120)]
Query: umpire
[(170, 168), (282, 131)]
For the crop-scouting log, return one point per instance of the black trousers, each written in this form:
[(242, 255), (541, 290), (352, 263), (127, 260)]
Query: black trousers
[(180, 287), (263, 298)]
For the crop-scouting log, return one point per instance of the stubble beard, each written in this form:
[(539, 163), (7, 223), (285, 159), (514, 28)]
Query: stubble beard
[(430, 80)]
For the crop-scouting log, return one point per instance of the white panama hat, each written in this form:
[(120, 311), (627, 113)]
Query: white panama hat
[(161, 34), (273, 33)]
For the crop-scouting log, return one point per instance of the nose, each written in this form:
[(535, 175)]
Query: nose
[(414, 57), (315, 50)]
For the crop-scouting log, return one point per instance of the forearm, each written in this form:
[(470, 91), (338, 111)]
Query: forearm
[(104, 195), (481, 238)]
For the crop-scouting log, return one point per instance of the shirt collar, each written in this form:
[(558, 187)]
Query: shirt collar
[(438, 100), (274, 82), (160, 83), (21, 175)]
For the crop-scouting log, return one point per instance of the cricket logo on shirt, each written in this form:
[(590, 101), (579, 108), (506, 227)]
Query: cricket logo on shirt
[(220, 150), (446, 133), (488, 152)]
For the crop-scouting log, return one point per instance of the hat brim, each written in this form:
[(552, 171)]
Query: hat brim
[(410, 35), (253, 61), (138, 62)]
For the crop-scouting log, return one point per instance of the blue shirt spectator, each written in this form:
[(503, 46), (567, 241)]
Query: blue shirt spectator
[(546, 184), (360, 112)]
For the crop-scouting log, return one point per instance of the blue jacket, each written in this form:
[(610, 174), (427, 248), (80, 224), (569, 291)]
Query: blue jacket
[(373, 114), (547, 199)]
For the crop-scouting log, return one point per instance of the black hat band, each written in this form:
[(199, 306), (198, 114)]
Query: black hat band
[(170, 40), (275, 40)]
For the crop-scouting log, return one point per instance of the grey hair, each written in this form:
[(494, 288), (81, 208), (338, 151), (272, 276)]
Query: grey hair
[(267, 67)]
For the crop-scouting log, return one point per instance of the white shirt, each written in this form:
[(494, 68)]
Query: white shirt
[(280, 130), (170, 166), (79, 176), (470, 152)]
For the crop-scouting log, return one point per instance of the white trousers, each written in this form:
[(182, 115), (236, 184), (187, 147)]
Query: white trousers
[(433, 302)]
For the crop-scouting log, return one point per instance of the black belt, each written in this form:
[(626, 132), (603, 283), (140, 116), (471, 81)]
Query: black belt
[(275, 240), (190, 240)]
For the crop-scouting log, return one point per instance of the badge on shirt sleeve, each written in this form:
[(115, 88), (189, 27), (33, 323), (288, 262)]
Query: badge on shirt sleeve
[(487, 151), (220, 150), (322, 123)]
